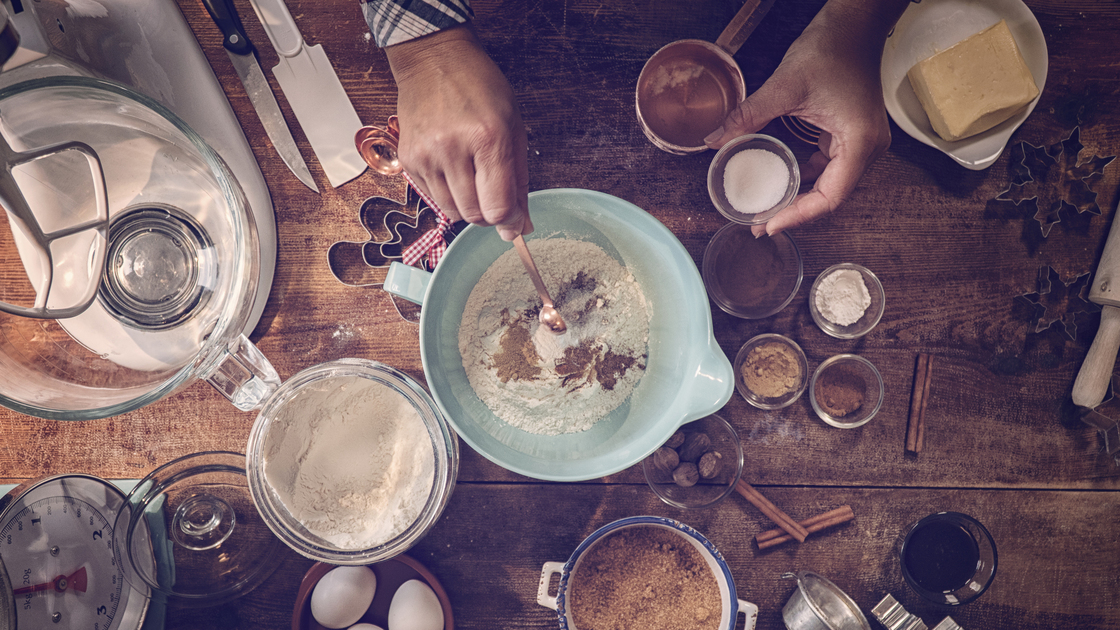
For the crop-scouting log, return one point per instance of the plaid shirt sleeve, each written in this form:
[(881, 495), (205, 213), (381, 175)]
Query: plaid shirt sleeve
[(395, 21)]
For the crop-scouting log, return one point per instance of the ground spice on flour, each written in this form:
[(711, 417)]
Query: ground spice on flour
[(552, 384), (644, 577), (351, 459), (517, 356)]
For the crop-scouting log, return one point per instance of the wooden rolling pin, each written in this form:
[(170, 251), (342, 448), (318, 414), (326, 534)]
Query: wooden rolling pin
[(1091, 385)]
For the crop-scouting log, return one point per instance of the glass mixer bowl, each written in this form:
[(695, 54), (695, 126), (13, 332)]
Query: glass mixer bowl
[(175, 256)]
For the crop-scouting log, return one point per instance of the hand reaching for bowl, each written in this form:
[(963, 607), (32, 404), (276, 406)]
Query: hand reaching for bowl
[(829, 78), (462, 140)]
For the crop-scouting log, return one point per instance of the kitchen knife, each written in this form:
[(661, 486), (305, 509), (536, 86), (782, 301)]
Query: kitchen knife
[(244, 58), (315, 94), (1091, 385)]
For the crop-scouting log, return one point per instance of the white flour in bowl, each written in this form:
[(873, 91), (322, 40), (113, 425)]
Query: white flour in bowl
[(352, 461), (547, 384)]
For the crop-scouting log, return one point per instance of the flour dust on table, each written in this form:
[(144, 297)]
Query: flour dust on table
[(551, 384)]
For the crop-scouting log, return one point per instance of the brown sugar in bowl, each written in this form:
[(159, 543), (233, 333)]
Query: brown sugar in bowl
[(578, 568)]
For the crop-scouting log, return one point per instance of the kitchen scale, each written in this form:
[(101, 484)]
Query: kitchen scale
[(77, 552), (56, 557)]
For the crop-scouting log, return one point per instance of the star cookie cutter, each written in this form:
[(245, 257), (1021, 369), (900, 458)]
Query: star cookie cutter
[(1055, 178), (1108, 427), (1059, 301)]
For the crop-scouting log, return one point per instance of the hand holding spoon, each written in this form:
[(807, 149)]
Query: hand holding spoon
[(549, 316)]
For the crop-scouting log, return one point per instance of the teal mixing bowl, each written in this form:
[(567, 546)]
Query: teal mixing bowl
[(687, 374)]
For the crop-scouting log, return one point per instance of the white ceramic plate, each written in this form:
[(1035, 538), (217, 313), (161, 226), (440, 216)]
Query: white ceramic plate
[(931, 26)]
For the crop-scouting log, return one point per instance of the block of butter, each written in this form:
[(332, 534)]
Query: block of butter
[(975, 84)]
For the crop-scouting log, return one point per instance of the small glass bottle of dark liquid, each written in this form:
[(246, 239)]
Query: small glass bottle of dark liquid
[(948, 558), (941, 556)]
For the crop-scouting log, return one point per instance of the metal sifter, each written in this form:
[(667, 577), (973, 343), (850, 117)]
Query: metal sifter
[(818, 604)]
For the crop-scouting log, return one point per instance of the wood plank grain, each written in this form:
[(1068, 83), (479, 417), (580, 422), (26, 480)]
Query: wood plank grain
[(1056, 563)]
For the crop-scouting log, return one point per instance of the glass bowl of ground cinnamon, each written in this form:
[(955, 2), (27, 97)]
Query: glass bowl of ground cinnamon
[(771, 371), (751, 277), (846, 391)]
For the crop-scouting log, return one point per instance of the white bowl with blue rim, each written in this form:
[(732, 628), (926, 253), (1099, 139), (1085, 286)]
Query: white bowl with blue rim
[(731, 606), (687, 375)]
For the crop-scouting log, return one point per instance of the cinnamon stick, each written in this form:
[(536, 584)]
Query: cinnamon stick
[(780, 518), (774, 537), (925, 401), (914, 425)]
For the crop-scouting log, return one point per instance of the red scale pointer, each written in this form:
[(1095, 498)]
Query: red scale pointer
[(61, 584)]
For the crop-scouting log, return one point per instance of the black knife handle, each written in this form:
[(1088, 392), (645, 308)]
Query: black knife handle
[(225, 16)]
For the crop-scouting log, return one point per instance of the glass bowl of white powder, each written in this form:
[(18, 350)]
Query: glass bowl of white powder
[(846, 301), (351, 462), (752, 178)]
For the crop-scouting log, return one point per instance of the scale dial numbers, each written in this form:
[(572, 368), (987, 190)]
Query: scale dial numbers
[(56, 541)]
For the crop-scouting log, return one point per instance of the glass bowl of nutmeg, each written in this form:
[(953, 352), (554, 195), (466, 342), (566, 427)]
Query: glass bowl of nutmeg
[(698, 465)]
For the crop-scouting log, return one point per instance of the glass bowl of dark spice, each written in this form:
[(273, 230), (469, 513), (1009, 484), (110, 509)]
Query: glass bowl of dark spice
[(771, 371), (847, 391), (698, 466), (751, 277)]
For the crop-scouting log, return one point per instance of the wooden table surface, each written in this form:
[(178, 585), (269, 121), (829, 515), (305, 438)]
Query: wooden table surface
[(970, 279)]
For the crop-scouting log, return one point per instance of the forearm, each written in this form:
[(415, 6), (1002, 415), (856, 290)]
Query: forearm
[(431, 52)]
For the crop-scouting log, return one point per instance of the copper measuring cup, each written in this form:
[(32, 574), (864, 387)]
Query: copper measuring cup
[(689, 86)]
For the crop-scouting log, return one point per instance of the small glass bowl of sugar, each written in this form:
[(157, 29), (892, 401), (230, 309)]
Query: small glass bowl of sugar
[(752, 178)]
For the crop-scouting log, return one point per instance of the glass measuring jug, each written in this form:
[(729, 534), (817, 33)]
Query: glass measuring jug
[(180, 250)]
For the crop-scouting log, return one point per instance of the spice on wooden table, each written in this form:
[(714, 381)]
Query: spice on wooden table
[(644, 577), (771, 370), (840, 391)]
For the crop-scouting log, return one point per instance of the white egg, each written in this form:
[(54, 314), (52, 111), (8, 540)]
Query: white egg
[(365, 626), (415, 607), (342, 596)]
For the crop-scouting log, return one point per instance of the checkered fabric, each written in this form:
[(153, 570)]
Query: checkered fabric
[(431, 246), (395, 21)]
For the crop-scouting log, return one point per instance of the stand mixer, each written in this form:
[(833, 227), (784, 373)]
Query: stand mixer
[(120, 103), (148, 46)]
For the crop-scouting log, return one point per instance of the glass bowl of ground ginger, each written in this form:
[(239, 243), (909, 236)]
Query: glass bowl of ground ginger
[(846, 391), (771, 371)]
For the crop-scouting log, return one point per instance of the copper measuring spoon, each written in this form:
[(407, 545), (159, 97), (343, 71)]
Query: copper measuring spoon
[(550, 317)]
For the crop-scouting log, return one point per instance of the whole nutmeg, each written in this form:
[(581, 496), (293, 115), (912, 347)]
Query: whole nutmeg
[(675, 440), (686, 475), (695, 445), (709, 464), (664, 460)]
